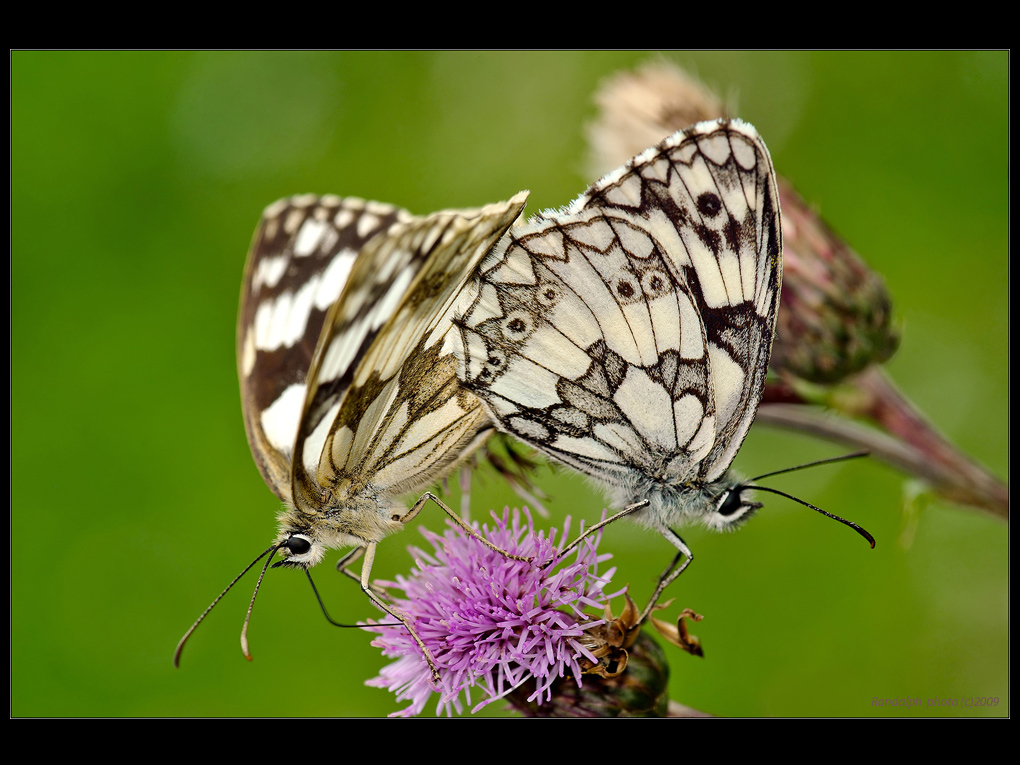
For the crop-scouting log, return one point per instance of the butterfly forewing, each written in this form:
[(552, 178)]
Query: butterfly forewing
[(301, 255), (383, 407), (628, 335)]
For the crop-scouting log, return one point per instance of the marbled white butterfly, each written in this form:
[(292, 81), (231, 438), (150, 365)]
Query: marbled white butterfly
[(628, 335), (348, 382)]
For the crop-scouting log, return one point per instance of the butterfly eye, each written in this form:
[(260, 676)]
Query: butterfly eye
[(734, 508), (730, 504), (298, 545)]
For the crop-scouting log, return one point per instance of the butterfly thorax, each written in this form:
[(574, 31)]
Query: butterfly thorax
[(340, 519)]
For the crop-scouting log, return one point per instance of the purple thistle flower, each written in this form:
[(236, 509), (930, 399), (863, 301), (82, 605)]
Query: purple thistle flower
[(490, 621)]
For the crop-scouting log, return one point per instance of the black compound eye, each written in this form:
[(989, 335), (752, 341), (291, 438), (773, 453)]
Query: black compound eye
[(731, 504), (298, 545)]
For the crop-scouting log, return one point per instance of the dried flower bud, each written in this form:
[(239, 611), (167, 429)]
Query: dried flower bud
[(608, 690), (677, 634), (639, 109), (835, 314), (608, 643)]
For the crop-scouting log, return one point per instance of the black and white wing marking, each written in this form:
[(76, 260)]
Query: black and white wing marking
[(301, 256), (628, 335), (384, 413)]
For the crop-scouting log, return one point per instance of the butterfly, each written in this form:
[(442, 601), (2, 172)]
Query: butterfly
[(628, 335), (348, 380)]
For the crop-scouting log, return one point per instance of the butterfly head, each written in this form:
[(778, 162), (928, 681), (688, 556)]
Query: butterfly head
[(303, 539), (310, 530), (730, 508), (299, 550)]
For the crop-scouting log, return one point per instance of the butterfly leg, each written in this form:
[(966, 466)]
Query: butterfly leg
[(344, 566), (460, 521), (602, 524), (672, 571), (465, 488), (366, 586)]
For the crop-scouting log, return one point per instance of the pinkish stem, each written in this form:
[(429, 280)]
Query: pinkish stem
[(909, 442)]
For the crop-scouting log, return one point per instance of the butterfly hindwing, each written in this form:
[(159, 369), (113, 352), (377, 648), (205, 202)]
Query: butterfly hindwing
[(629, 333)]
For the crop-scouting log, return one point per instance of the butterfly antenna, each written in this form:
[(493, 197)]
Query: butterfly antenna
[(180, 645), (834, 517), (816, 463), (251, 605), (330, 619)]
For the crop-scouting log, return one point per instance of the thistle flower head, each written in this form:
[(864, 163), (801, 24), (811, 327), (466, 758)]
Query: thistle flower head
[(490, 621)]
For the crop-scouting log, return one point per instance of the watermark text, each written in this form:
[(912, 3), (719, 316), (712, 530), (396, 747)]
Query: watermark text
[(935, 702)]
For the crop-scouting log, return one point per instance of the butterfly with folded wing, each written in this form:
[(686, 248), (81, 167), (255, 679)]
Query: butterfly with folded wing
[(628, 335), (348, 381)]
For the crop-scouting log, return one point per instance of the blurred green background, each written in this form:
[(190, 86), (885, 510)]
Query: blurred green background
[(137, 180)]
